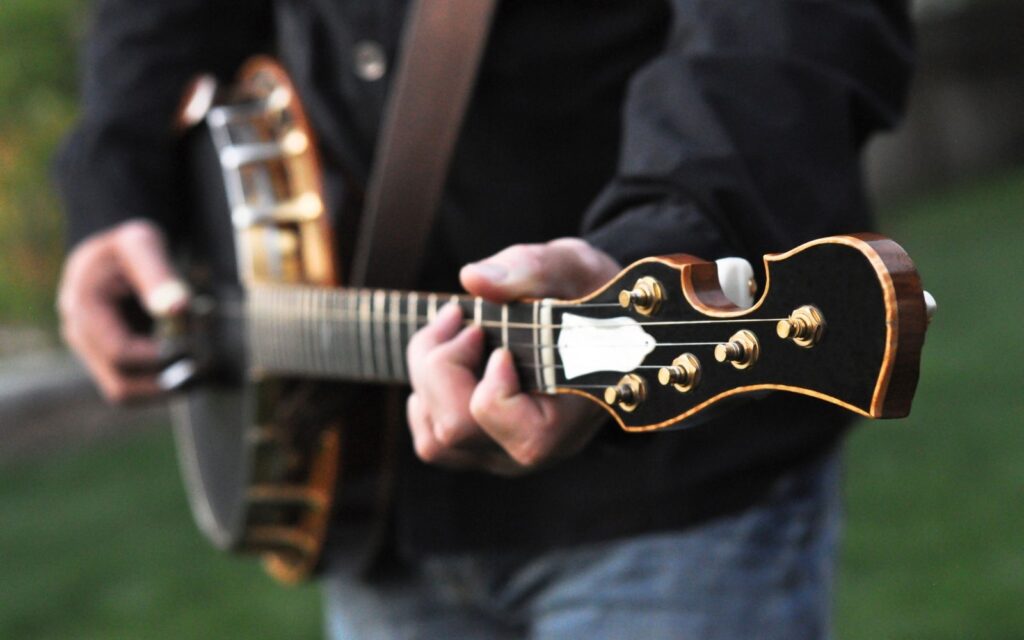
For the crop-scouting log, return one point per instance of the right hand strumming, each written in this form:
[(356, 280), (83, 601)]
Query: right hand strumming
[(100, 272)]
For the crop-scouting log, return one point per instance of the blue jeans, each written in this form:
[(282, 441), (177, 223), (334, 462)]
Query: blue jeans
[(763, 573)]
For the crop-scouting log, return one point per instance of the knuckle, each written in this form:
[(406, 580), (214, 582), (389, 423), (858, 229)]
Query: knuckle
[(515, 249), (572, 244), (482, 408), (412, 406), (523, 252), (80, 259), (427, 449), (137, 231), (434, 359), (87, 249), (413, 350), (69, 334), (417, 347), (116, 392), (529, 453), (449, 430), (67, 300), (536, 258)]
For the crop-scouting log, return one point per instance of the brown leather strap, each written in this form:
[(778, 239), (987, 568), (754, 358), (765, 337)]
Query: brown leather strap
[(441, 50)]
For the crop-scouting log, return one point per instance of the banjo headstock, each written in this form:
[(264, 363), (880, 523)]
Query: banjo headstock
[(841, 319)]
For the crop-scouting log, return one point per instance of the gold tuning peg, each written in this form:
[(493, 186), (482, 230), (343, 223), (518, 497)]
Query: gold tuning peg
[(628, 394), (684, 374), (804, 327), (741, 351), (645, 297)]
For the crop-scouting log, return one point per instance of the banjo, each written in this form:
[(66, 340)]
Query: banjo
[(274, 349)]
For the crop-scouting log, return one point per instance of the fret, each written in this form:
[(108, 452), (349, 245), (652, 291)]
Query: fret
[(264, 340), (328, 351), (340, 357), (313, 336), (329, 338), (301, 329), (351, 328), (490, 322), (253, 330), (397, 344), (279, 324), (308, 328), (412, 312), (478, 308), (295, 325), (275, 329), (365, 328), (504, 326), (431, 307), (547, 345), (536, 343), (380, 343)]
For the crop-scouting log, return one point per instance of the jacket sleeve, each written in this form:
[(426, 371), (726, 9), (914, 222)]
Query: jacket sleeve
[(744, 135), (120, 160)]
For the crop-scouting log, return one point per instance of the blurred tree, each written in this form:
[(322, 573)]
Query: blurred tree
[(37, 98)]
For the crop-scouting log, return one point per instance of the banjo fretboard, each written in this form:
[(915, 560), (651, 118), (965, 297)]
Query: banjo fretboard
[(362, 334)]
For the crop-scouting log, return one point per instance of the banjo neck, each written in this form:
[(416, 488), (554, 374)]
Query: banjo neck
[(361, 335)]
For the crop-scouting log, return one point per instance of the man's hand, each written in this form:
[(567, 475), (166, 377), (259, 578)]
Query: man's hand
[(99, 273), (463, 422)]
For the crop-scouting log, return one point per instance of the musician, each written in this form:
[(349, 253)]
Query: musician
[(598, 133)]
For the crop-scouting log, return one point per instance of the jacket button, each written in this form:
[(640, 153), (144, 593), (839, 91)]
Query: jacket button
[(370, 62)]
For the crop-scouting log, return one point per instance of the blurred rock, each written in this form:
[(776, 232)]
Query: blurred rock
[(47, 401), (21, 340)]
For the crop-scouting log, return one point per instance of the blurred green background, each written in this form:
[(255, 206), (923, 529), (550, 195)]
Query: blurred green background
[(96, 540)]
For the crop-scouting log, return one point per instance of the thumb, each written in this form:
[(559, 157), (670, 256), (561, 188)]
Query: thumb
[(565, 268), (142, 254)]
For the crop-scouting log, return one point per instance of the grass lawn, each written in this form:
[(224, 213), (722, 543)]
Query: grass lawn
[(935, 543), (98, 543)]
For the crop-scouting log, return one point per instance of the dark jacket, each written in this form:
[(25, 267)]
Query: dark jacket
[(647, 127)]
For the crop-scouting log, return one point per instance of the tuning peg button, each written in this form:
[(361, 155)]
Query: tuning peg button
[(804, 327), (645, 297), (684, 374), (742, 350), (628, 394), (930, 306)]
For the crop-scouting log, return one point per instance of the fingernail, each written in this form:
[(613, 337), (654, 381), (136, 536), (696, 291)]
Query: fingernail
[(491, 271), (167, 298), (498, 366), (448, 313)]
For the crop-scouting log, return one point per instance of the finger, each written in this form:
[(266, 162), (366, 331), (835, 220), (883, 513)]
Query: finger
[(441, 348), (532, 429), (428, 448), (441, 329), (464, 351), (116, 386), (518, 422), (447, 383), (564, 268), (120, 389), (142, 254), (442, 362), (91, 320)]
